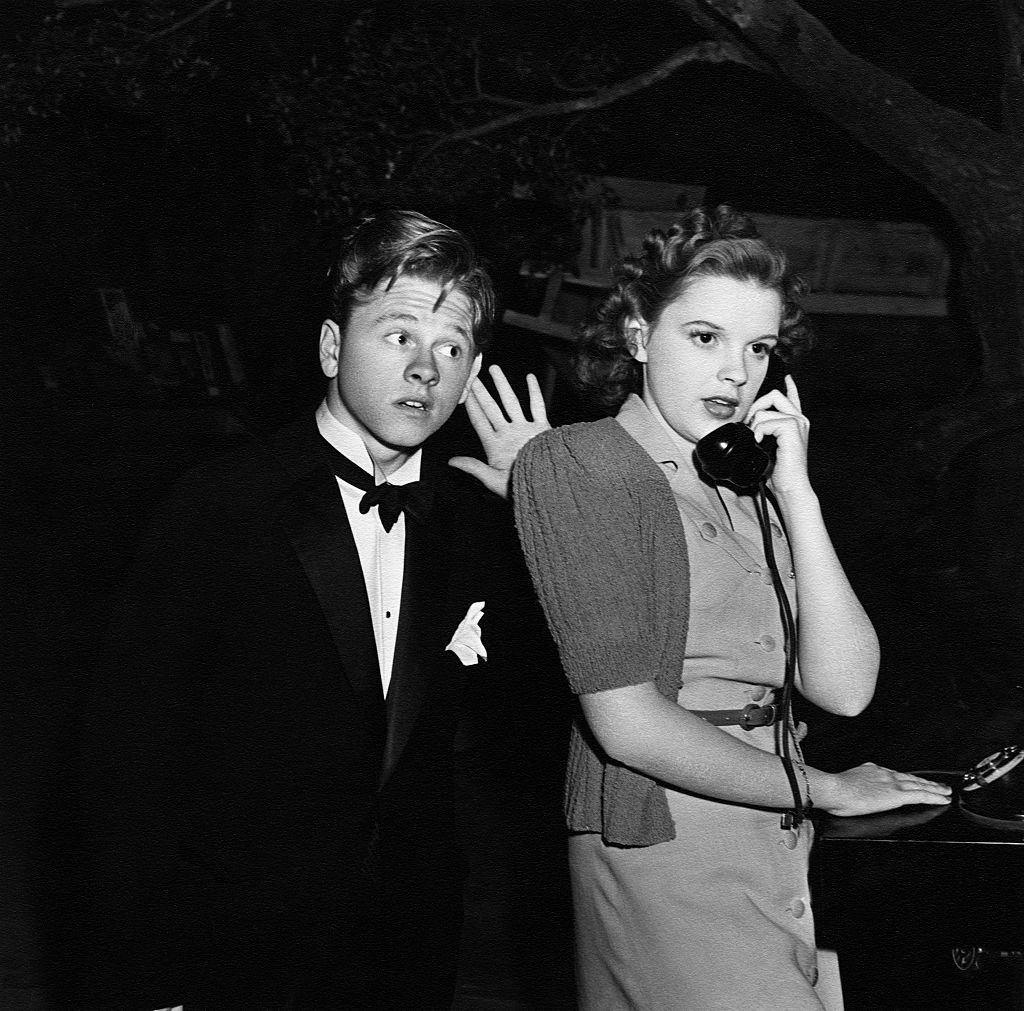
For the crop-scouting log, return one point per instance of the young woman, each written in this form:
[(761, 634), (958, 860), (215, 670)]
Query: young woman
[(689, 883)]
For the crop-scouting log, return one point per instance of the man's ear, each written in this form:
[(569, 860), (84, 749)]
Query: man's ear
[(330, 348), (637, 334), (474, 371)]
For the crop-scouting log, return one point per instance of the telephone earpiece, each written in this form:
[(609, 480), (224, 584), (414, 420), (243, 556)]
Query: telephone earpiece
[(731, 455)]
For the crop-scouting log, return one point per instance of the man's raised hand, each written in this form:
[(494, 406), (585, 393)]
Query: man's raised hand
[(503, 429)]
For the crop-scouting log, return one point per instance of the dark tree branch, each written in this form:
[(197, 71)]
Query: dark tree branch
[(940, 148), (733, 44), (198, 13), (1011, 44), (977, 173), (702, 52)]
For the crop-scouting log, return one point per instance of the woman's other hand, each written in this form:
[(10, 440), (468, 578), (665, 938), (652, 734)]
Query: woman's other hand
[(870, 788)]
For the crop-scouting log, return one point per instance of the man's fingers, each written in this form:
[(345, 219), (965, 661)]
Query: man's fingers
[(538, 411), (470, 465), (490, 477), (513, 410), (509, 400), (489, 413)]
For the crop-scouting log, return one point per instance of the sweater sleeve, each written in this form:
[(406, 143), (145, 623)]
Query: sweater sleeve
[(607, 554), (580, 516)]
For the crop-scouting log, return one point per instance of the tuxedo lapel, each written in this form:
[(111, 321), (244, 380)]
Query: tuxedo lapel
[(419, 641), (313, 517)]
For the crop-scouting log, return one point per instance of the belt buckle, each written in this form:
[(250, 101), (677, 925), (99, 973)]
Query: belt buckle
[(757, 716)]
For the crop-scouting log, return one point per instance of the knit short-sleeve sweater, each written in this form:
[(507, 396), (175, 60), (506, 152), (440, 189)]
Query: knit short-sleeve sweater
[(605, 546)]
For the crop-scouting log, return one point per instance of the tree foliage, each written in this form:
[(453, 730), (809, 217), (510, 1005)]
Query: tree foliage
[(130, 59), (474, 104), (359, 118), (367, 126)]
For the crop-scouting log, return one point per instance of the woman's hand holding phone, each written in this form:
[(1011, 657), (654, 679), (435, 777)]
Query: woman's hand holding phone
[(779, 415)]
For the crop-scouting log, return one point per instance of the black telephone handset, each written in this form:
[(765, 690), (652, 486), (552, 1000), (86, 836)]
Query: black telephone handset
[(731, 455)]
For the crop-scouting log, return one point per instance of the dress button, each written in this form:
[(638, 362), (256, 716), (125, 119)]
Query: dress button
[(798, 907), (766, 642), (708, 531)]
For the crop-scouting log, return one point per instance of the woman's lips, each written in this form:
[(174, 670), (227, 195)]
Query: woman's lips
[(720, 408)]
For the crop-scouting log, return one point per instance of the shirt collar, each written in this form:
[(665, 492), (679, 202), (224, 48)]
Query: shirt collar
[(345, 441), (675, 462), (646, 429)]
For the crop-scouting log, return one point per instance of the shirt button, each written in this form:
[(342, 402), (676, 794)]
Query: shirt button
[(789, 840), (798, 907), (776, 529), (708, 531), (766, 642)]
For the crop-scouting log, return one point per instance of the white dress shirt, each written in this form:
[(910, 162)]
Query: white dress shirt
[(381, 553)]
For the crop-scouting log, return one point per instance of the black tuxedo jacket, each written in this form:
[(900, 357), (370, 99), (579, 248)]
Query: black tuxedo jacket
[(259, 816)]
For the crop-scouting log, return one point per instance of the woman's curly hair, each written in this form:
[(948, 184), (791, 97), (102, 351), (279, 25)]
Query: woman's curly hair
[(703, 243)]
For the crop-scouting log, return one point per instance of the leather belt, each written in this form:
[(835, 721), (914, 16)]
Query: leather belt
[(748, 717)]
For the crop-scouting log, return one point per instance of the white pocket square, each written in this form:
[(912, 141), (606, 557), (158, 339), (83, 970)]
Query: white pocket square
[(466, 644)]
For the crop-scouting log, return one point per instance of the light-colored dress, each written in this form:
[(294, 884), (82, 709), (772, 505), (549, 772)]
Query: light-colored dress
[(718, 916)]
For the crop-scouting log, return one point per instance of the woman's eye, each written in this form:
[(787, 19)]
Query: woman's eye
[(703, 337), (761, 350)]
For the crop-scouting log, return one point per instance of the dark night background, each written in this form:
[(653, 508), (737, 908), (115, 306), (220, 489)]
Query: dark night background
[(193, 206)]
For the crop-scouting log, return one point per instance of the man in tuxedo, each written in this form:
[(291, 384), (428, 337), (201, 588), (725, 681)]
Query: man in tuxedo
[(305, 616)]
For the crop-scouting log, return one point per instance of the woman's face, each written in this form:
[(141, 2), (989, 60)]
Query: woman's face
[(706, 357)]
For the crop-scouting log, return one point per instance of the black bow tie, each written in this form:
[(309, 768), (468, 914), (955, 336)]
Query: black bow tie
[(391, 500)]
